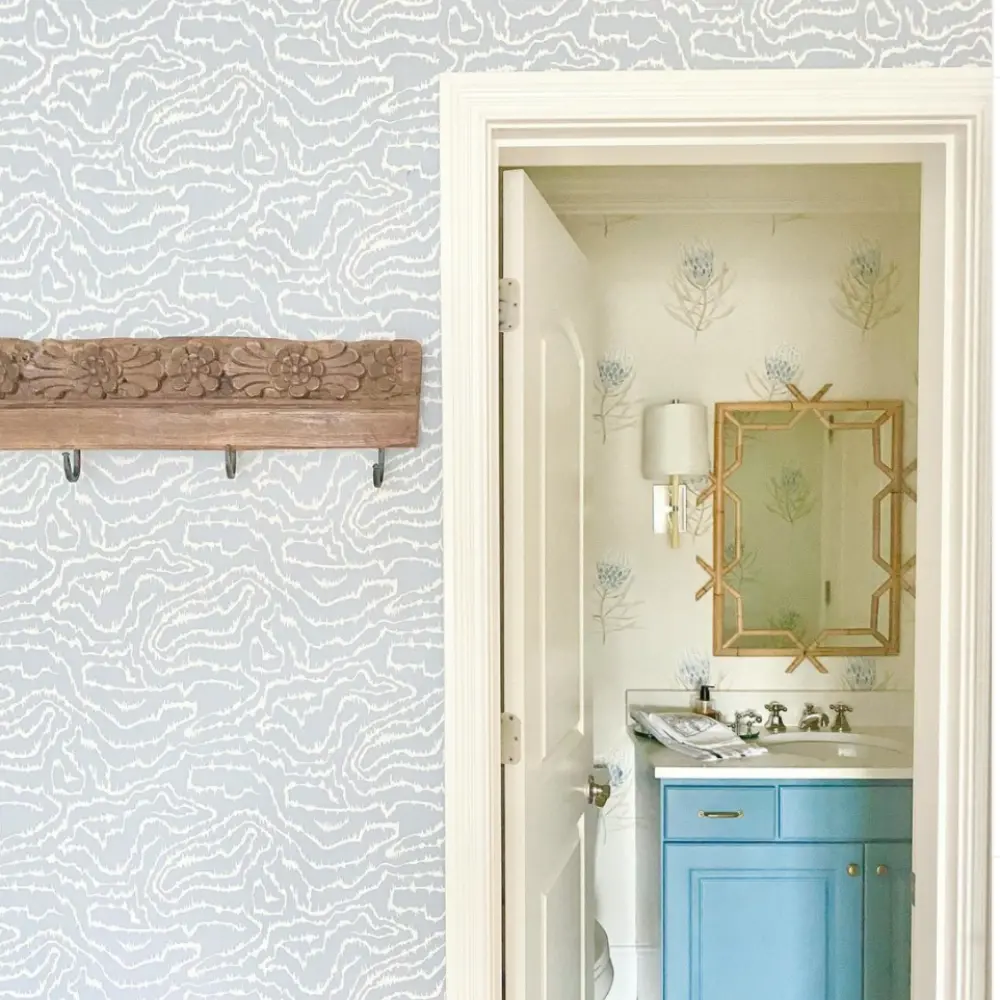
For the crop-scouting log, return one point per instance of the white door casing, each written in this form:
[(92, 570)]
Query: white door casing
[(548, 862), (937, 117)]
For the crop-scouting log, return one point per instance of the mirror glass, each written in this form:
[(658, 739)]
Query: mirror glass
[(810, 528)]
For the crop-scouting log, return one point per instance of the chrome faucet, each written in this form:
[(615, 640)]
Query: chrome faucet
[(813, 719), (743, 724)]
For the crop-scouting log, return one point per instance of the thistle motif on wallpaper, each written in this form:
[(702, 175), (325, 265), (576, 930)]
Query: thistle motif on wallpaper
[(615, 375), (699, 287), (782, 367), (861, 674), (693, 669), (615, 612), (791, 495), (867, 287)]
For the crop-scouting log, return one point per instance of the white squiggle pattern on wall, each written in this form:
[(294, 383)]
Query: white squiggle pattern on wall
[(221, 703)]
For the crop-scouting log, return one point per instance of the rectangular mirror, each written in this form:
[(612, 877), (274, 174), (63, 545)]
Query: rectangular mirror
[(808, 523)]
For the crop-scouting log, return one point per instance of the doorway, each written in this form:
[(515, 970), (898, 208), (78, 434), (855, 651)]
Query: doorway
[(710, 284), (716, 119)]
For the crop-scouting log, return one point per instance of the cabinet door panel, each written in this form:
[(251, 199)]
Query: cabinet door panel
[(887, 921), (776, 920)]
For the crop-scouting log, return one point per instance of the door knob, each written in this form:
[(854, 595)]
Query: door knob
[(597, 794), (882, 870), (853, 870)]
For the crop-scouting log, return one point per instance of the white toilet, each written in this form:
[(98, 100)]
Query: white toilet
[(604, 973)]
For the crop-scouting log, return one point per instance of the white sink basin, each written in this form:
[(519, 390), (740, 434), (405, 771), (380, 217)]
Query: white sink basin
[(834, 747)]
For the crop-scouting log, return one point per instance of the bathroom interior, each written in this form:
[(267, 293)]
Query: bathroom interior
[(785, 578)]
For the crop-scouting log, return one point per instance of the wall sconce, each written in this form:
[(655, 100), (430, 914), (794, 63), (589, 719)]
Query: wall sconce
[(674, 444)]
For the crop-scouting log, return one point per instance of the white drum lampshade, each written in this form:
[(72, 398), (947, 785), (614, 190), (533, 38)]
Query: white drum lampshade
[(674, 444), (674, 441)]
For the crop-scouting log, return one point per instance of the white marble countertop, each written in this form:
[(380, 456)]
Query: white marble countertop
[(889, 756)]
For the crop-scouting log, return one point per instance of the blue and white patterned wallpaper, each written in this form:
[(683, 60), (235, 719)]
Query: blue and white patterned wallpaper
[(221, 702)]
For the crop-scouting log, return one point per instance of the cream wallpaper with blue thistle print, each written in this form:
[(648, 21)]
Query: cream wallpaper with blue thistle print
[(704, 308), (740, 312)]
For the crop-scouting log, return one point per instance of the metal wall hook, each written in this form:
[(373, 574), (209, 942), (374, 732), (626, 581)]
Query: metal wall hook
[(230, 463), (71, 465), (378, 469)]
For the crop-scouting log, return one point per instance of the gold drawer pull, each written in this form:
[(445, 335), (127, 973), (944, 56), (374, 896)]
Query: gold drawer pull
[(882, 870), (713, 814)]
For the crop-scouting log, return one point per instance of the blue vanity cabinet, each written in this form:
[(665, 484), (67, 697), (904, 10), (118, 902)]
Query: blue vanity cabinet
[(786, 890), (751, 920)]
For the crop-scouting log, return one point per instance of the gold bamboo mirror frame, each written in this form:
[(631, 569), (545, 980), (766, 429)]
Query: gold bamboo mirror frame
[(807, 499)]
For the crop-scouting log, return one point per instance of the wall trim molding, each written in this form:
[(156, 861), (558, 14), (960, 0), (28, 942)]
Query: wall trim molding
[(936, 117)]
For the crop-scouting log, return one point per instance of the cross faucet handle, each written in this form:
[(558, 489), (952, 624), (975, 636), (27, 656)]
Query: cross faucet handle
[(840, 723), (750, 717), (775, 724)]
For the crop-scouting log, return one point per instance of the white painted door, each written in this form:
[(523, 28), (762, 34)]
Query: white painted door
[(548, 824)]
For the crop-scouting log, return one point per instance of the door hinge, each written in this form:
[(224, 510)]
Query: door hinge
[(510, 739), (510, 304), (913, 888)]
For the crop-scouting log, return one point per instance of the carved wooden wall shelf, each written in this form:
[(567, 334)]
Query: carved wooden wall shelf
[(209, 393)]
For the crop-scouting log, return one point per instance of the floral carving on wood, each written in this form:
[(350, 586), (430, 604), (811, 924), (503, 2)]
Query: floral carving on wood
[(10, 373), (223, 370), (209, 393), (93, 370), (193, 368), (299, 371), (391, 367)]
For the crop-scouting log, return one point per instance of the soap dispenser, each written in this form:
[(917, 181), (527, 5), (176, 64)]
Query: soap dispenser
[(703, 704)]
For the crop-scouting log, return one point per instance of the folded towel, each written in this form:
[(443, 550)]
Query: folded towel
[(694, 735)]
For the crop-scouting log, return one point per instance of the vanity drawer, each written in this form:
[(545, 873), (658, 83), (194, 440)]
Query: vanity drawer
[(869, 811), (719, 813)]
